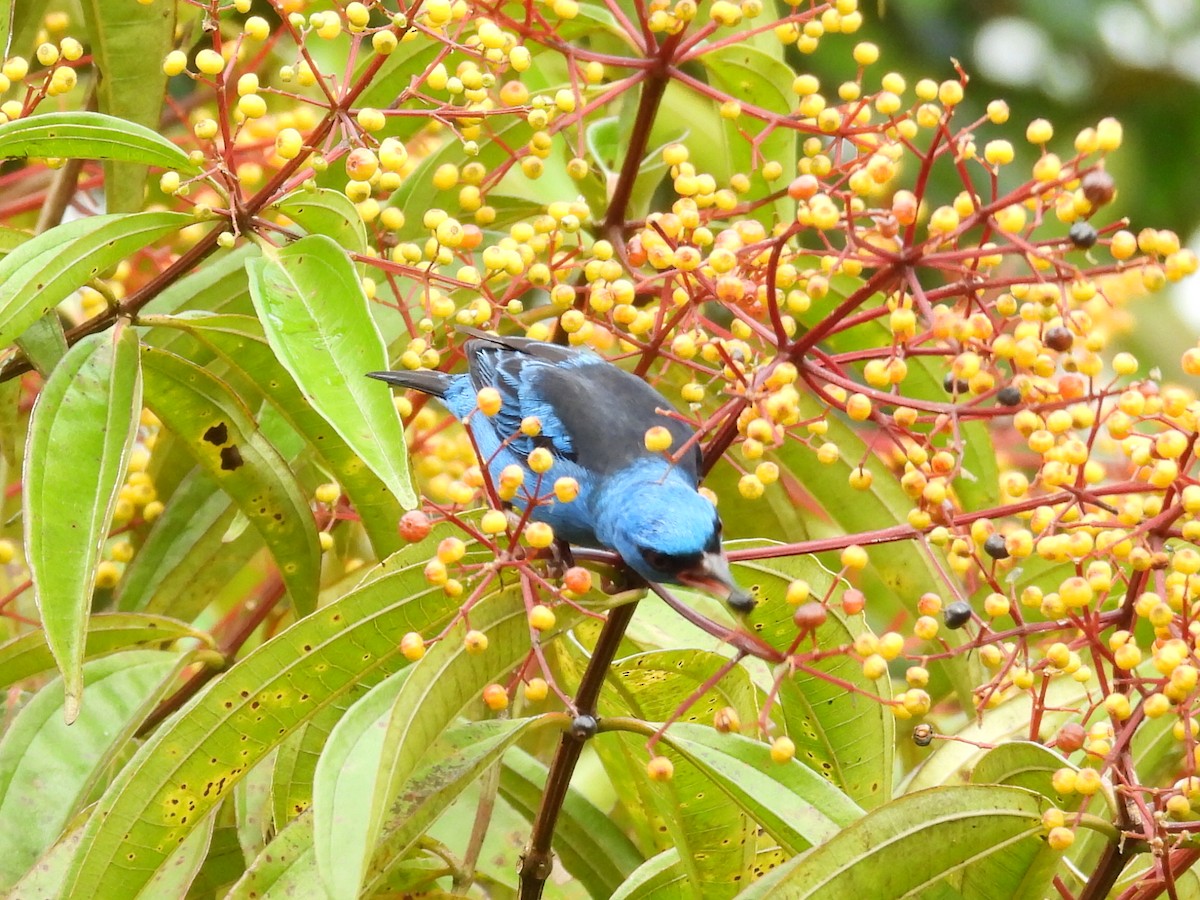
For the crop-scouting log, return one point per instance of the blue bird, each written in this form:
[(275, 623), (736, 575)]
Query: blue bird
[(594, 417)]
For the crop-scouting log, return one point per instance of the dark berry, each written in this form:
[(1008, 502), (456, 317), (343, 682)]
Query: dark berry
[(955, 386), (1058, 338), (1070, 737), (584, 727), (1083, 235), (957, 614), (922, 735), (995, 547), (1098, 186), (1010, 395)]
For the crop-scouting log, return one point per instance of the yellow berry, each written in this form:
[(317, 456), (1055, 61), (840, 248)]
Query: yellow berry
[(541, 618), (658, 439), (475, 642), (660, 769), (536, 690), (494, 521), (489, 401), (783, 749), (210, 62), (412, 646)]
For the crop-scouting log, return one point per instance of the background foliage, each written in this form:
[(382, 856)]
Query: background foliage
[(950, 432)]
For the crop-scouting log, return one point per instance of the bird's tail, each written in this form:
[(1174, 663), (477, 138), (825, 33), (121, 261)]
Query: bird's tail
[(435, 383)]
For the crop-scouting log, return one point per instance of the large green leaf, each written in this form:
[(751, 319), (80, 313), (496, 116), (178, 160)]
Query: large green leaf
[(220, 433), (792, 803), (180, 775), (90, 135), (84, 424), (128, 44), (919, 845), (848, 736), (45, 270), (588, 843), (439, 689), (251, 368), (317, 320), (48, 767)]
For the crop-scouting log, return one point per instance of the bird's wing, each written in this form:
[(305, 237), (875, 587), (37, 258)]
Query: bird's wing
[(591, 412), (600, 414)]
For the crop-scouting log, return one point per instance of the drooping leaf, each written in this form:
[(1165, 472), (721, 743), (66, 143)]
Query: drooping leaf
[(91, 135), (221, 435), (316, 319), (917, 846), (178, 777), (128, 45), (45, 270), (29, 655), (47, 767), (83, 427), (188, 554)]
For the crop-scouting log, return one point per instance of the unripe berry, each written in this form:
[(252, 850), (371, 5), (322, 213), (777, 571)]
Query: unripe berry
[(536, 690), (210, 62), (658, 439), (412, 646), (494, 521), (660, 769), (539, 535), (475, 642), (175, 62), (783, 749)]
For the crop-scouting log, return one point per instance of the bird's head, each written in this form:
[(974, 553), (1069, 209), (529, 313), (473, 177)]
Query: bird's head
[(667, 532)]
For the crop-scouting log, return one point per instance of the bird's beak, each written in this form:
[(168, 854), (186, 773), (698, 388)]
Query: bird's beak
[(712, 574)]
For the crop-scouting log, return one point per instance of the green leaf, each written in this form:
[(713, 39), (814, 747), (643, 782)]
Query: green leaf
[(183, 771), (48, 767), (845, 735), (45, 270), (317, 320), (251, 367), (460, 758), (795, 805), (286, 868), (328, 212), (187, 556), (221, 435), (44, 343), (91, 135), (84, 424), (916, 846), (440, 687), (715, 838), (588, 843), (128, 45), (1022, 764), (29, 655)]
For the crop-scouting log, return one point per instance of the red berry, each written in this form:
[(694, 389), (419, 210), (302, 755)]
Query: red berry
[(415, 526), (578, 580), (853, 601), (1070, 737)]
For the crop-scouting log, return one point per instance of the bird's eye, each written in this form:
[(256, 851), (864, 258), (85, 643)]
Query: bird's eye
[(656, 559)]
